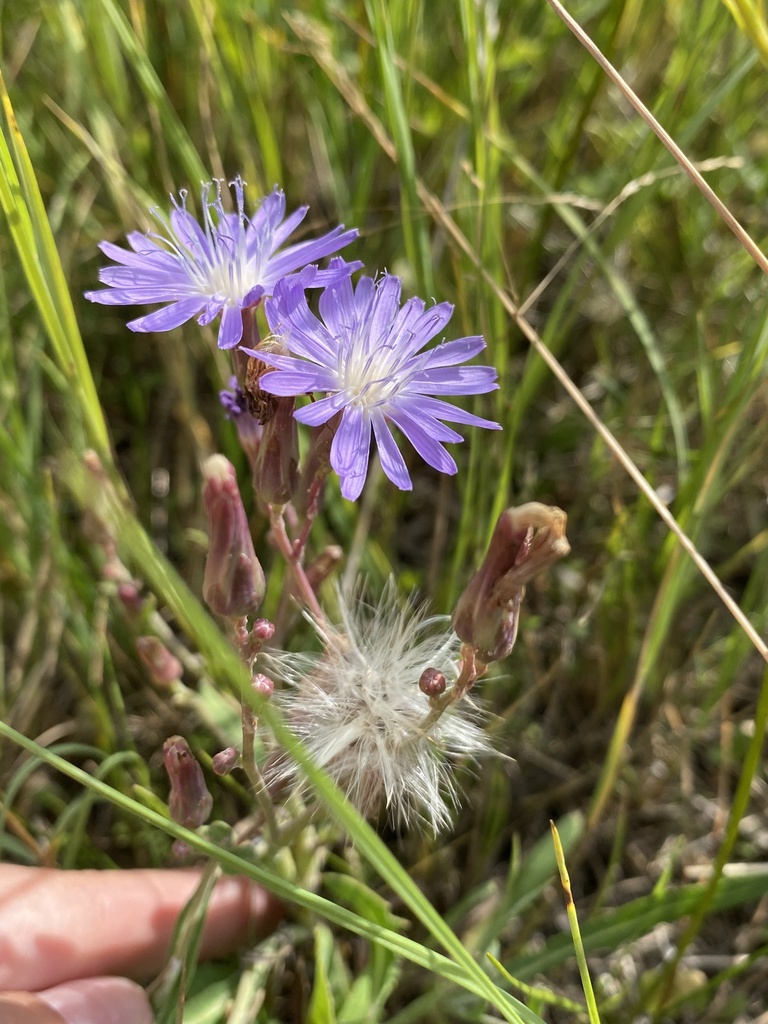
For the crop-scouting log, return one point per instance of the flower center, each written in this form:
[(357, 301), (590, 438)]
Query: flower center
[(220, 261), (373, 371)]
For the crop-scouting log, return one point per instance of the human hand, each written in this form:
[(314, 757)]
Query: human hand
[(71, 941)]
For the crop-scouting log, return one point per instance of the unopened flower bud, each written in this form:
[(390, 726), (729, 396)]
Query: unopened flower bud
[(181, 853), (189, 801), (234, 581), (262, 630), (226, 760), (487, 613), (262, 685), (315, 467), (432, 682), (276, 472), (162, 666), (129, 595)]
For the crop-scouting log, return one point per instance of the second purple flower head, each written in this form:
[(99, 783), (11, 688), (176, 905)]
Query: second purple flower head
[(366, 355)]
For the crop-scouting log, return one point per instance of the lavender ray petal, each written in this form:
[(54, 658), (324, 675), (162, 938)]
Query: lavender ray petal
[(156, 287), (296, 377), (319, 412), (287, 294), (270, 212), (144, 244), (211, 311), (190, 234), (365, 296), (337, 307), (432, 321), (283, 362), (149, 267), (385, 308), (428, 448), (464, 380), (253, 297), (303, 333), (331, 275), (134, 259), (135, 297), (350, 451), (459, 351), (413, 408), (307, 252), (445, 411), (231, 327), (405, 336), (392, 461), (169, 317), (286, 229)]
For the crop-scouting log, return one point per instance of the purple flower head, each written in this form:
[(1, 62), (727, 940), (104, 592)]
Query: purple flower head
[(227, 265), (366, 356)]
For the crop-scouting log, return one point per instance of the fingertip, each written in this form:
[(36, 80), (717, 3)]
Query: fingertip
[(27, 1008), (99, 1001), (265, 912), (240, 912)]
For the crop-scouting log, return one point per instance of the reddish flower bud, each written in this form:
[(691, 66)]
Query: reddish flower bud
[(130, 597), (262, 685), (189, 801), (316, 466), (486, 615), (234, 581), (432, 682), (262, 630), (162, 666), (226, 760), (276, 472)]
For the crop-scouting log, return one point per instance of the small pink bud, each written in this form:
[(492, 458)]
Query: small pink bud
[(487, 613), (181, 852), (226, 760), (189, 801), (234, 581), (162, 666), (262, 685), (432, 682), (262, 630), (129, 595)]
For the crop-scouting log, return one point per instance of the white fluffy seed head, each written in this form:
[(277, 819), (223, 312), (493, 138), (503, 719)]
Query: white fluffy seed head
[(359, 710)]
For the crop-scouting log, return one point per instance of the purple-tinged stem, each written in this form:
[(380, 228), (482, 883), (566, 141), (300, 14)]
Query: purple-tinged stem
[(314, 497), (286, 549), (247, 649)]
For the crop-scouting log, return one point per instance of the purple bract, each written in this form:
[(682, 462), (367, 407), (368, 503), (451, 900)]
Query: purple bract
[(366, 357), (229, 264)]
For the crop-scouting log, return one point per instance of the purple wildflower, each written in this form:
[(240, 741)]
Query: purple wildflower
[(229, 264), (367, 357), (234, 400)]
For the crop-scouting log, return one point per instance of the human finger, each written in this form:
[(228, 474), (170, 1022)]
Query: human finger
[(99, 1001), (27, 1008), (58, 926)]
